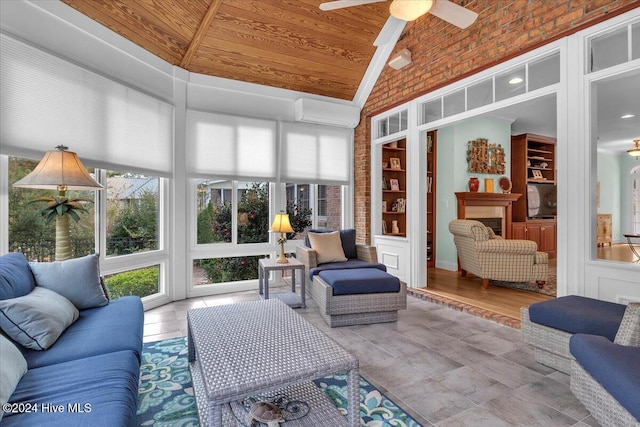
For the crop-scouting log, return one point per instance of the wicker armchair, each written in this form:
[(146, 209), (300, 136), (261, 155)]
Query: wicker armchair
[(487, 256), (356, 309)]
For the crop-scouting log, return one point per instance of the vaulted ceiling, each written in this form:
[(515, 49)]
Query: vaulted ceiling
[(289, 44)]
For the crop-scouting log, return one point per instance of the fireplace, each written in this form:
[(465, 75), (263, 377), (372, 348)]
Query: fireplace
[(496, 224), (492, 209)]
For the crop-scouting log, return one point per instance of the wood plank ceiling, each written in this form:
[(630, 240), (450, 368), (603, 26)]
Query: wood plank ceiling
[(289, 44)]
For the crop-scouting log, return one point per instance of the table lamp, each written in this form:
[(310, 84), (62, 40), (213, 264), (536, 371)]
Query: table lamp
[(60, 170), (281, 225)]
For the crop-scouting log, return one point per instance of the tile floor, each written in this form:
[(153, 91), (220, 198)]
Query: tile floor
[(444, 367)]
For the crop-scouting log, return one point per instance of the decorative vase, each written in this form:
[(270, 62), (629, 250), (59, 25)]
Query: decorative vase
[(488, 185), (474, 184), (394, 227)]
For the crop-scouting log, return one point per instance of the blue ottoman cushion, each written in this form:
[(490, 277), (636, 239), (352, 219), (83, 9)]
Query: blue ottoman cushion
[(579, 315), (360, 281), (616, 367), (347, 265)]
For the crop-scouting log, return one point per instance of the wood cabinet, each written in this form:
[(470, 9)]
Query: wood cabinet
[(531, 155), (431, 143), (604, 226), (533, 161), (394, 188), (543, 232)]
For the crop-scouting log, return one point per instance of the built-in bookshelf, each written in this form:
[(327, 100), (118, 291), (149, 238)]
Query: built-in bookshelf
[(430, 187), (394, 188), (533, 162)]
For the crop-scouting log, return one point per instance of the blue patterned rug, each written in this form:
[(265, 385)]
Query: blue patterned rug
[(165, 396)]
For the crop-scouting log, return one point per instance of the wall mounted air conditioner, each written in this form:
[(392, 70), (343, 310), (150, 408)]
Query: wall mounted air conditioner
[(326, 113)]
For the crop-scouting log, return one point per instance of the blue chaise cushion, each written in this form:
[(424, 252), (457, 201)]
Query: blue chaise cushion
[(348, 265), (360, 281), (16, 278), (347, 236), (579, 315), (616, 367), (107, 384), (114, 327)]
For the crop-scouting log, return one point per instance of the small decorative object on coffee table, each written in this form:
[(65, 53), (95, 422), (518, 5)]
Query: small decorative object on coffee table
[(265, 265)]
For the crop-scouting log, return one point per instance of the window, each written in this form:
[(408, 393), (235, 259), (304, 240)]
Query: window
[(141, 282), (208, 271), (536, 74), (314, 206), (614, 47), (133, 202), (217, 206), (253, 212)]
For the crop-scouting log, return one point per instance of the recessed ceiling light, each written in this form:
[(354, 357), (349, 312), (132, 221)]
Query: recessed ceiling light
[(627, 116), (515, 80)]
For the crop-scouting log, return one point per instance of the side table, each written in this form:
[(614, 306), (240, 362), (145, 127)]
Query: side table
[(293, 300)]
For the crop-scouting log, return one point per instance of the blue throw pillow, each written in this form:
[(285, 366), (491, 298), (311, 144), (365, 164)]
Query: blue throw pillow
[(38, 319), (78, 280), (16, 279)]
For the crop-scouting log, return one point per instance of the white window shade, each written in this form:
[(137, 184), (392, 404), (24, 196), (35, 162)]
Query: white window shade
[(315, 154), (47, 101), (230, 147)]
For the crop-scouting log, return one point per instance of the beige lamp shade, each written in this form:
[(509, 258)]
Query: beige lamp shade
[(410, 10), (281, 224), (60, 170)]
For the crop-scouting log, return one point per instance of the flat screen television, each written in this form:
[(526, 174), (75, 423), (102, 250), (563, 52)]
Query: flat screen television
[(542, 201)]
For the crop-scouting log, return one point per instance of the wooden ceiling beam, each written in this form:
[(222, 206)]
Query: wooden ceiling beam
[(200, 33)]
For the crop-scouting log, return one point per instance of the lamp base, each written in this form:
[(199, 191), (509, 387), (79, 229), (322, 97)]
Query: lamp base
[(282, 259)]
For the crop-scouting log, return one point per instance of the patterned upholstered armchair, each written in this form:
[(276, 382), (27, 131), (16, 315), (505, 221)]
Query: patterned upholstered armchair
[(488, 256)]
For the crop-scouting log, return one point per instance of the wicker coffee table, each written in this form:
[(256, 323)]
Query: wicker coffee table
[(261, 348)]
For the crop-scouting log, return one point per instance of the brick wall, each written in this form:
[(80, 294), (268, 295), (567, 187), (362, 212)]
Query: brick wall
[(443, 53)]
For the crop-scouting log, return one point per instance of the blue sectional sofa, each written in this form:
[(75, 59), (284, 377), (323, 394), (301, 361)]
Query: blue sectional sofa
[(89, 374)]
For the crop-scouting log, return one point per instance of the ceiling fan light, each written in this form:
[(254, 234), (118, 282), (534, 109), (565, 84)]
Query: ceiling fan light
[(635, 151), (409, 10)]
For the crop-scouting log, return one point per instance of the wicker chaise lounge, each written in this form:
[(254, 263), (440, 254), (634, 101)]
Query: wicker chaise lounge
[(353, 289)]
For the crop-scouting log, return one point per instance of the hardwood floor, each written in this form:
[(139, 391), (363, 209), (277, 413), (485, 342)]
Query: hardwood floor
[(617, 252), (467, 290)]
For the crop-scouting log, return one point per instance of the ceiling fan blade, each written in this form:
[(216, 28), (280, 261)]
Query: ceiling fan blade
[(453, 13), (340, 4)]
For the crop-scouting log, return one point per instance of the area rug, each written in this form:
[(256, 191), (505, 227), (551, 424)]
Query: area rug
[(165, 394), (549, 287)]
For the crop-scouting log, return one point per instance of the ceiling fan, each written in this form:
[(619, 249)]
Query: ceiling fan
[(409, 10)]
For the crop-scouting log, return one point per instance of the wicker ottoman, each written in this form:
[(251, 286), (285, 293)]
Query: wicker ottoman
[(360, 308), (554, 322)]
